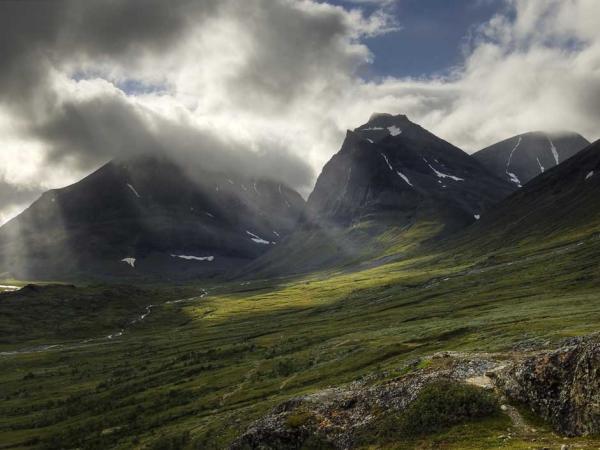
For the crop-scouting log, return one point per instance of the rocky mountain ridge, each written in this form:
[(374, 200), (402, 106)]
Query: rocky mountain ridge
[(391, 165), (148, 216)]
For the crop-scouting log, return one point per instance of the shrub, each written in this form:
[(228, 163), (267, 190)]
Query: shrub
[(444, 404), (284, 367), (437, 407)]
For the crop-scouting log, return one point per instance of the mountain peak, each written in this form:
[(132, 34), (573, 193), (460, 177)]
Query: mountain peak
[(147, 216), (521, 158), (393, 166), (382, 125), (385, 120), (387, 116), (554, 203)]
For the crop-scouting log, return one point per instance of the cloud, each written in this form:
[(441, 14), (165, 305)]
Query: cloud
[(269, 86), (14, 199), (536, 67), (227, 83)]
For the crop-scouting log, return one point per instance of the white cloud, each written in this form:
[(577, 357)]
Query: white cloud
[(277, 78)]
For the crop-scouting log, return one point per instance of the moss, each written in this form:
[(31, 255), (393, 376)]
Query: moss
[(298, 419)]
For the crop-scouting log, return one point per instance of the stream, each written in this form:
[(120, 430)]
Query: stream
[(103, 339)]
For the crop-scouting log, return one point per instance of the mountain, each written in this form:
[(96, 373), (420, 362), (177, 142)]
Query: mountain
[(560, 204), (391, 165), (392, 186), (148, 216), (521, 158)]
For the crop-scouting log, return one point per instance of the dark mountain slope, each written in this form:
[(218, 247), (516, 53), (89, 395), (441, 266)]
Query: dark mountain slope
[(521, 158), (392, 186), (561, 204), (148, 216), (391, 165)]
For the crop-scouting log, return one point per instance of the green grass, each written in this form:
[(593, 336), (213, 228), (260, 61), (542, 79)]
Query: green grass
[(57, 313), (196, 374)]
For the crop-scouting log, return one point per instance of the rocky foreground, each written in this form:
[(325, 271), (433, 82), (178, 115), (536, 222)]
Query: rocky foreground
[(561, 386)]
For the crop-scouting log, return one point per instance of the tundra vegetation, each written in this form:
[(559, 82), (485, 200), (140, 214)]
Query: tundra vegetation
[(198, 373)]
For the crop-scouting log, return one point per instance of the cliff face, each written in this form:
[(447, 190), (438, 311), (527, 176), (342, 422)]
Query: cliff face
[(562, 386)]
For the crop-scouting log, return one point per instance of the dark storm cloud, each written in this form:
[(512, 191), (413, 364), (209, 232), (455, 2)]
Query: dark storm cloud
[(313, 43), (267, 86), (11, 195), (109, 126), (94, 129), (37, 35), (13, 198), (38, 39)]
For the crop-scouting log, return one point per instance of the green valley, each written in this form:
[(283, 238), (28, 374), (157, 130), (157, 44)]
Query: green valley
[(195, 374)]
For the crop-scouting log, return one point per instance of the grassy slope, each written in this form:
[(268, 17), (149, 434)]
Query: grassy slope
[(208, 368), (51, 314), (372, 241)]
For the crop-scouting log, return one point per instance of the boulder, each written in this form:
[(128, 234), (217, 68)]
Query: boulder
[(562, 385)]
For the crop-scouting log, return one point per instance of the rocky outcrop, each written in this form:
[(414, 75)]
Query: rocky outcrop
[(562, 386), (333, 418)]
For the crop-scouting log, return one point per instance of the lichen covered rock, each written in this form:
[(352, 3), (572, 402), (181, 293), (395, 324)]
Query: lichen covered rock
[(336, 417), (562, 385)]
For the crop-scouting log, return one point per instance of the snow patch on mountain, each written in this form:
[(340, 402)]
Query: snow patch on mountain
[(512, 175), (405, 178), (195, 258), (540, 164), (513, 152), (589, 175), (554, 151), (442, 174), (387, 161), (400, 174), (514, 178), (130, 261), (256, 238), (133, 190), (394, 130)]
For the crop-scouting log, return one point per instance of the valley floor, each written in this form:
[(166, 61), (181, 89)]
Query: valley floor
[(196, 374)]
